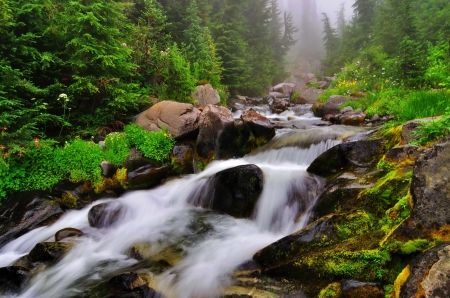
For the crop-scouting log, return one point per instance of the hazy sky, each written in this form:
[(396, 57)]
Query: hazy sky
[(330, 7)]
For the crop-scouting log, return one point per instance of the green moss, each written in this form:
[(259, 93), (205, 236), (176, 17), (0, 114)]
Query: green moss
[(354, 225), (333, 290)]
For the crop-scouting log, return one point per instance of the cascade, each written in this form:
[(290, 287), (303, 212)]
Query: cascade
[(213, 245)]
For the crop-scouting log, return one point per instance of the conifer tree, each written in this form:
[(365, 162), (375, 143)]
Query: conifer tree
[(200, 48), (330, 38), (288, 39), (341, 23)]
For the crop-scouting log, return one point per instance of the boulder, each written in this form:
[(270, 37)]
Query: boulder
[(403, 152), (310, 78), (285, 88), (108, 169), (12, 279), (233, 191), (180, 119), (136, 160), (105, 214), (409, 127), (259, 125), (352, 118), (129, 285), (323, 84), (346, 109), (49, 251), (205, 95), (362, 153), (147, 176), (277, 95), (357, 289), (26, 211), (216, 132), (236, 103), (182, 157), (279, 105), (309, 96), (324, 231), (430, 190), (437, 282), (331, 106), (67, 233), (420, 269)]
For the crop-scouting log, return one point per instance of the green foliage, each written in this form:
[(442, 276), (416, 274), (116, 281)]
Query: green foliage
[(117, 148), (82, 160), (178, 81), (432, 130), (155, 145), (331, 291)]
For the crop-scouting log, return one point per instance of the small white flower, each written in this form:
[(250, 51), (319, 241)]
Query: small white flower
[(45, 104)]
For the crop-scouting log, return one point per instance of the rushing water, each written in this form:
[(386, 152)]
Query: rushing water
[(212, 244)]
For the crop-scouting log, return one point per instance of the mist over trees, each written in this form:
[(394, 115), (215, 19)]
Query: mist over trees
[(397, 35)]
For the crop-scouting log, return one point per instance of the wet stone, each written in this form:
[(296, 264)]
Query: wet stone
[(67, 233), (49, 251), (12, 279), (104, 215)]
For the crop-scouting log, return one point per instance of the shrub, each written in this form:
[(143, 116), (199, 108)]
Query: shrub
[(155, 145), (117, 148)]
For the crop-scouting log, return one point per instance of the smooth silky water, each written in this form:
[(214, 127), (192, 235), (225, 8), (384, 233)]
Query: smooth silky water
[(164, 217)]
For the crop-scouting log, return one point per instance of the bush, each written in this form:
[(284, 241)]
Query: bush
[(117, 148), (155, 145)]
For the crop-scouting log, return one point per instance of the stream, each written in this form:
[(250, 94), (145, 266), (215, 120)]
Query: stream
[(202, 247)]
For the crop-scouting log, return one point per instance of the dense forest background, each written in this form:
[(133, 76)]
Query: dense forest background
[(109, 58), (71, 67)]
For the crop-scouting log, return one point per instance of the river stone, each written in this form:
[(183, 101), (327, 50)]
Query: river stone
[(323, 84), (309, 96), (216, 132), (352, 117), (233, 191), (362, 153), (131, 285), (67, 233), (205, 95), (12, 279), (430, 187), (147, 176), (403, 152), (182, 157), (324, 231), (419, 269), (279, 105), (259, 125), (180, 119), (285, 88), (49, 251), (437, 282), (105, 214), (25, 211), (331, 106), (108, 169)]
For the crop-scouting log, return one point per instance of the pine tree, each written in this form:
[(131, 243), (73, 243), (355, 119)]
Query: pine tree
[(330, 38), (288, 39), (341, 23), (200, 48), (364, 13)]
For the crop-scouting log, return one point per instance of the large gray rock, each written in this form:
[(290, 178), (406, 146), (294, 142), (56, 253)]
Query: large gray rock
[(430, 187), (233, 191), (49, 251), (279, 105), (26, 211), (333, 104), (285, 88), (419, 267), (259, 125), (180, 119), (205, 95), (216, 132), (437, 282), (309, 96), (362, 153)]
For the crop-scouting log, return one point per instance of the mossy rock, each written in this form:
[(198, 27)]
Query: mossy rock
[(322, 233), (49, 251)]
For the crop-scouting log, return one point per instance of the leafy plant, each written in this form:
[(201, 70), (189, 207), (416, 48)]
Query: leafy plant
[(154, 145), (117, 148)]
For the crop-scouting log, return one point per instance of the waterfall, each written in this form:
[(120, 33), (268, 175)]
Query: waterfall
[(163, 218)]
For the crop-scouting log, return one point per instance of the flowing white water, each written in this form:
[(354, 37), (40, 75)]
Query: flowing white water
[(163, 217)]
